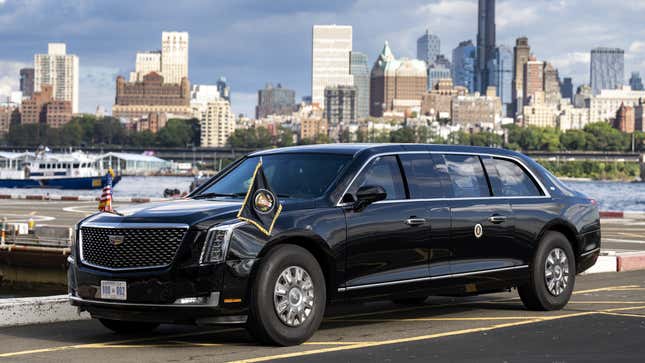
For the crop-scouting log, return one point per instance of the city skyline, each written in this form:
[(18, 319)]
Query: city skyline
[(234, 41)]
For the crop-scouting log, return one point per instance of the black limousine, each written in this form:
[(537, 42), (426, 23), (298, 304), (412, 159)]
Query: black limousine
[(400, 221)]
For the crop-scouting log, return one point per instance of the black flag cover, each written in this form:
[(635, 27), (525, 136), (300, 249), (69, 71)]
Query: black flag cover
[(261, 206)]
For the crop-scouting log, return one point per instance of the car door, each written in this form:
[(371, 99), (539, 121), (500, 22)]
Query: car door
[(387, 240), (482, 225), (428, 183)]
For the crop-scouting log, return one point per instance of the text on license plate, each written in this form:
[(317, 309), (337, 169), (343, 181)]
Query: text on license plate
[(114, 290)]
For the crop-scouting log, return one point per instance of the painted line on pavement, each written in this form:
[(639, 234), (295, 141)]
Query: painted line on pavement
[(422, 337)]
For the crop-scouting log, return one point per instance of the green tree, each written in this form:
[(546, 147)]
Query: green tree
[(403, 135), (573, 140), (177, 133)]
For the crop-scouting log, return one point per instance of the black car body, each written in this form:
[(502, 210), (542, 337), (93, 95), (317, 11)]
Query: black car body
[(398, 220)]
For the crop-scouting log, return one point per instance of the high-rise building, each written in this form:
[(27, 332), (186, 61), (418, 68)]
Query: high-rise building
[(551, 84), (151, 95), (396, 85), (361, 72), (521, 54), (636, 82), (275, 101), (463, 65), (200, 96), (485, 43), (331, 47), (217, 124), (43, 108), (438, 71), (605, 105), (174, 56), (533, 77), (7, 114), (340, 105), (428, 47), (566, 88), (607, 69), (27, 82), (224, 89), (501, 75), (60, 70), (146, 62), (582, 98)]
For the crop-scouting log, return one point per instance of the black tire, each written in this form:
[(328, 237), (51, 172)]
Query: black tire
[(535, 294), (410, 301), (128, 327), (264, 324)]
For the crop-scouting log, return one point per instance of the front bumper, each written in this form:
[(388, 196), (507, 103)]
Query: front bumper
[(152, 295)]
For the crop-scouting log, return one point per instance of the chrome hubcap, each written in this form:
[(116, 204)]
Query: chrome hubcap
[(293, 296), (556, 271)]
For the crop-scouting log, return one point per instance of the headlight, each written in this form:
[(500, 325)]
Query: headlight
[(74, 240), (216, 244)]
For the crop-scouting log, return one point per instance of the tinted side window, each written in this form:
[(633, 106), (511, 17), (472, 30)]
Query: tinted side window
[(514, 181), (423, 176), (385, 172), (467, 176)]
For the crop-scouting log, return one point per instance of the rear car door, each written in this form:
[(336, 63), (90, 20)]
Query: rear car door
[(482, 225), (428, 184), (387, 240)]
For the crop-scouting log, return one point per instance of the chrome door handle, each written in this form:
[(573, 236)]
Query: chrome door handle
[(415, 221), (497, 219)]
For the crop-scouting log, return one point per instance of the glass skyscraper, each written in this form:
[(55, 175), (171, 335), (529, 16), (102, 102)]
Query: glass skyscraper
[(500, 74), (361, 72), (428, 47), (463, 65), (607, 69), (485, 43)]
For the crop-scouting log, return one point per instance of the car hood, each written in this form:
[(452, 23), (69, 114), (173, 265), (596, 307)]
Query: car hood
[(183, 211)]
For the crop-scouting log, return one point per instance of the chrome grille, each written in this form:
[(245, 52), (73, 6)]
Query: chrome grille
[(129, 248)]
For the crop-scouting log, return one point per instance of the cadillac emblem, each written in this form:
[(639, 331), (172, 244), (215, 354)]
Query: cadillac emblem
[(116, 240), (263, 201)]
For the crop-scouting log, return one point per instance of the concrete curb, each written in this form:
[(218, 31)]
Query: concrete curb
[(85, 198), (38, 310), (609, 261), (622, 214)]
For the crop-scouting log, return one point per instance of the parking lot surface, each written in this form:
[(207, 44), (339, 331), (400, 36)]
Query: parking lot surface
[(604, 321)]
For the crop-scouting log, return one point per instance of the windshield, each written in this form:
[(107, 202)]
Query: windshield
[(303, 176)]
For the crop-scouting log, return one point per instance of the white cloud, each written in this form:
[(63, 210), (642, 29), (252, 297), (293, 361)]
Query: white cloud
[(10, 76)]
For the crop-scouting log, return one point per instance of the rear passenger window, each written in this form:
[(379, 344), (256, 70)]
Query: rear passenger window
[(513, 180), (467, 176), (423, 176), (385, 172)]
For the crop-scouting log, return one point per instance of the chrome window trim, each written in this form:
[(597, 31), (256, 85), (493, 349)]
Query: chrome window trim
[(123, 226), (512, 158), (229, 228), (430, 278)]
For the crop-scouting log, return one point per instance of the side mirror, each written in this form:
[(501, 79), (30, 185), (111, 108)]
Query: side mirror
[(369, 194)]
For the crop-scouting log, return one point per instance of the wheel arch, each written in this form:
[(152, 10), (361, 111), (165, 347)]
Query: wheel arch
[(566, 229), (317, 248)]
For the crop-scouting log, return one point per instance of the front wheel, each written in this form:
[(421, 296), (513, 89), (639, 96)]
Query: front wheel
[(552, 276), (125, 327), (287, 300)]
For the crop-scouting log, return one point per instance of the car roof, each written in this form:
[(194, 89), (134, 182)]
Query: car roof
[(354, 149)]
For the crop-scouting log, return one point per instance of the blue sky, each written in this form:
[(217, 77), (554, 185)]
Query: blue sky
[(253, 42)]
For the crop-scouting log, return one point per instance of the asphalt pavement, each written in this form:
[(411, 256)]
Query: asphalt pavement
[(605, 321)]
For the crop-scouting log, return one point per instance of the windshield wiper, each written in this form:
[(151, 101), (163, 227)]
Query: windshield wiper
[(215, 195)]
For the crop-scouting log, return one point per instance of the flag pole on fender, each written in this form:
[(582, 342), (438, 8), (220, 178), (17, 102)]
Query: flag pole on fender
[(261, 206)]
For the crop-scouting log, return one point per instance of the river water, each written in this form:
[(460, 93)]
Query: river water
[(611, 195)]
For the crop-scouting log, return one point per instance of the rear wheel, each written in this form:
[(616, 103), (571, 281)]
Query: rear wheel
[(287, 300), (552, 275), (119, 326)]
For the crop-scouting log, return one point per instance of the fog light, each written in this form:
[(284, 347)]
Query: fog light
[(212, 300), (191, 301)]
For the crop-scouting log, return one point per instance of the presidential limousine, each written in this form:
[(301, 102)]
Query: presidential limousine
[(357, 222)]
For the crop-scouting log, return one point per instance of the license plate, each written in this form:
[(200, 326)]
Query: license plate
[(114, 290)]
